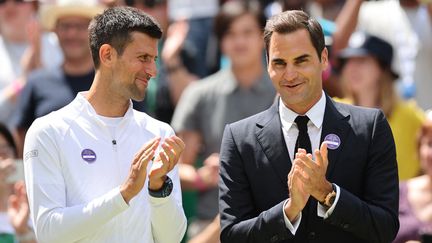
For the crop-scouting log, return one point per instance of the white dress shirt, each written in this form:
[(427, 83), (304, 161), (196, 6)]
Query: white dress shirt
[(290, 132)]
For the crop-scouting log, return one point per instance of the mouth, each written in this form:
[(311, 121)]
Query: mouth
[(144, 79), (293, 85), (241, 49)]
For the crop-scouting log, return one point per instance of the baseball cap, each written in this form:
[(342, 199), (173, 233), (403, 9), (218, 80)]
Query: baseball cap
[(362, 44)]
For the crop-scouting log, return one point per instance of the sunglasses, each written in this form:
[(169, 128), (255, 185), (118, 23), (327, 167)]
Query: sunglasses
[(16, 1)]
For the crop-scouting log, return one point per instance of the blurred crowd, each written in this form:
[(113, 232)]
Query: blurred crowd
[(211, 72)]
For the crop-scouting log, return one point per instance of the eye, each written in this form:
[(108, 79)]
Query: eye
[(144, 58), (279, 64), (300, 61)]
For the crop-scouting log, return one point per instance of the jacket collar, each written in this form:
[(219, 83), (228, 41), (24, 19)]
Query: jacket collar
[(83, 105)]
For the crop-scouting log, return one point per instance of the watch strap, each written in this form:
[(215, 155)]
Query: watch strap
[(164, 191), (330, 197)]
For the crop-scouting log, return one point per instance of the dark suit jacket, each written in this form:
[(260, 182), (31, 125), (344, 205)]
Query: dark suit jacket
[(255, 164)]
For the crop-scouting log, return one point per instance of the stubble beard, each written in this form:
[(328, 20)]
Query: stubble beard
[(137, 94)]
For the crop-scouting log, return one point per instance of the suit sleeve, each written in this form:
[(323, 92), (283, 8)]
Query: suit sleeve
[(239, 222), (375, 216)]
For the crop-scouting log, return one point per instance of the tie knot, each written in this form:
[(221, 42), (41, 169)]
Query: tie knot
[(301, 122)]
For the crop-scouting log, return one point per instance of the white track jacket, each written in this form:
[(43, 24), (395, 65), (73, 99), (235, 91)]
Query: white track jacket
[(74, 165)]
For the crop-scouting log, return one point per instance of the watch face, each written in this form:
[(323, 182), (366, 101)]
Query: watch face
[(165, 191), (332, 198), (168, 188)]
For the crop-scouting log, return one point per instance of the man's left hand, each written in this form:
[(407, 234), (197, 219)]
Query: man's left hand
[(314, 173), (165, 161)]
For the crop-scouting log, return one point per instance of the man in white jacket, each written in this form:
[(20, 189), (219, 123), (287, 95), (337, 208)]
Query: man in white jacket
[(89, 177)]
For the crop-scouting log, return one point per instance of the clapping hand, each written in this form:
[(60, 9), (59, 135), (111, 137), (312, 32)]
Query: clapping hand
[(314, 172), (165, 161)]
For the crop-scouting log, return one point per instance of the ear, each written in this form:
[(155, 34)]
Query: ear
[(324, 59), (107, 55)]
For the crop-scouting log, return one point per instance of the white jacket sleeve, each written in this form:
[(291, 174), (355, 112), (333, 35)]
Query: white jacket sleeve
[(168, 218), (53, 219)]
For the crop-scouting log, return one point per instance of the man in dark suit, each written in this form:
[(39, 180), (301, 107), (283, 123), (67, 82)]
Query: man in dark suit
[(274, 189)]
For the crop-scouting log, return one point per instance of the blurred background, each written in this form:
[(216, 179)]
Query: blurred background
[(212, 71)]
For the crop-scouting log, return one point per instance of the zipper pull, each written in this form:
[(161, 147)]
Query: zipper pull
[(114, 143)]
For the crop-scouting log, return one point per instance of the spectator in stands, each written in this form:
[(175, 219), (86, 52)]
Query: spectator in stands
[(368, 80), (14, 209), (415, 194), (23, 48), (49, 90)]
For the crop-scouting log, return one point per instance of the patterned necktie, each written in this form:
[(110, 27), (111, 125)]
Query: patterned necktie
[(303, 140)]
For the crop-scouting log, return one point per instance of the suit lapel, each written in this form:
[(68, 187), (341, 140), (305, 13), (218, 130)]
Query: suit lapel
[(270, 137), (335, 125)]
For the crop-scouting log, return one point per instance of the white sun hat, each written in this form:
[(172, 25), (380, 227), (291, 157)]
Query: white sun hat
[(51, 11)]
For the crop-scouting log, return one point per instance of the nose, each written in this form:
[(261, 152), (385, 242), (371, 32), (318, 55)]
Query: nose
[(290, 73), (151, 69)]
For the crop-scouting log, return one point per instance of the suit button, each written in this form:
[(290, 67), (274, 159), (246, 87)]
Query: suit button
[(311, 235), (274, 238), (345, 226)]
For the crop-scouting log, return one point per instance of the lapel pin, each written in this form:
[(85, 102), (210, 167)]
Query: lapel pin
[(88, 155), (333, 141)]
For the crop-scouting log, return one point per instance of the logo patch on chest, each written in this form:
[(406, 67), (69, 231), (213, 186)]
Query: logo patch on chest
[(88, 155)]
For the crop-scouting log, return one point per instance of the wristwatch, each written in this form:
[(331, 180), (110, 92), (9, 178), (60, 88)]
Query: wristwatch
[(330, 198), (164, 191)]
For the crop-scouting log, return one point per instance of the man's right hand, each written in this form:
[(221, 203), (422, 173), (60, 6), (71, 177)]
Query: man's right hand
[(298, 195), (138, 170)]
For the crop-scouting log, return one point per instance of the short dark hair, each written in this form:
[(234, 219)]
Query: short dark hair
[(114, 26), (291, 21), (232, 10)]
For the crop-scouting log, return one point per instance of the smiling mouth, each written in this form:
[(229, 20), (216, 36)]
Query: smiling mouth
[(145, 78), (293, 85)]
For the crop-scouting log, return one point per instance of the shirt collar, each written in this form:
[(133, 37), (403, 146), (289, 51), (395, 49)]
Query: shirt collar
[(91, 112), (315, 114)]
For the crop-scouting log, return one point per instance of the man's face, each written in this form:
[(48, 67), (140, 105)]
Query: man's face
[(361, 74), (295, 69), (134, 68), (72, 33), (15, 15), (243, 41)]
